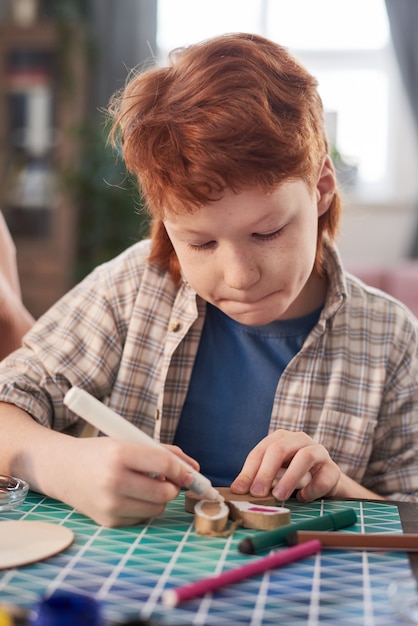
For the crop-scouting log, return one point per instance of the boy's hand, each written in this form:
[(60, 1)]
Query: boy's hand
[(121, 483), (116, 483), (300, 454)]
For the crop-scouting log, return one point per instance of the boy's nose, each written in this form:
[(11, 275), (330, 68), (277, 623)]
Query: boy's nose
[(240, 271)]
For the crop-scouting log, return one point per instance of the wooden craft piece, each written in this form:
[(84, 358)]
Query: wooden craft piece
[(191, 499), (258, 517), (210, 518), (28, 541)]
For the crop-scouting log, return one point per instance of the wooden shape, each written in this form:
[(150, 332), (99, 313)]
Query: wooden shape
[(25, 541), (258, 517), (210, 517), (190, 498)]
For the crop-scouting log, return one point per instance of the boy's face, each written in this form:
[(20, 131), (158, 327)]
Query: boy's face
[(252, 255)]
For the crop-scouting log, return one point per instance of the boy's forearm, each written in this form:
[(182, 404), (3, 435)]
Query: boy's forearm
[(27, 449)]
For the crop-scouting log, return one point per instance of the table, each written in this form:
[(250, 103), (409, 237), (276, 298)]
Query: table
[(408, 512), (127, 569)]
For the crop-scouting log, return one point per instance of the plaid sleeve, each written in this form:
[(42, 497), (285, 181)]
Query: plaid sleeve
[(79, 341)]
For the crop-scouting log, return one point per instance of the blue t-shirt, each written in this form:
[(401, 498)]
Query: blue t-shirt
[(234, 380)]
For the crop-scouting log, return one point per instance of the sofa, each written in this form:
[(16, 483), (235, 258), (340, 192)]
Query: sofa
[(399, 280)]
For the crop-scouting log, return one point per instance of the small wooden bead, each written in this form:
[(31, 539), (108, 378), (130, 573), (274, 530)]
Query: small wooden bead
[(210, 518)]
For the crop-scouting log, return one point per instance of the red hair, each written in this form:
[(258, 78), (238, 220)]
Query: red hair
[(234, 112)]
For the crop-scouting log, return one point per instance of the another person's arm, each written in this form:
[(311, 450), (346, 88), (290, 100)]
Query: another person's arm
[(15, 320)]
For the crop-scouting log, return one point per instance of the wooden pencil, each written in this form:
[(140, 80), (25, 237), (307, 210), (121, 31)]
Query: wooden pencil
[(358, 541)]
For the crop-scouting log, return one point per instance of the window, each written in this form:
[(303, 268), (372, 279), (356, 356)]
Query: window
[(346, 45)]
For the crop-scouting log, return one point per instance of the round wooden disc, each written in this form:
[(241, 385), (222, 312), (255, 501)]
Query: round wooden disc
[(27, 541)]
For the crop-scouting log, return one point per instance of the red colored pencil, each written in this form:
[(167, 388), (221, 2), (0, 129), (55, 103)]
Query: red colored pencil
[(173, 597)]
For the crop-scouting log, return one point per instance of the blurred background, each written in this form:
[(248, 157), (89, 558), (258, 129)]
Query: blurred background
[(66, 197)]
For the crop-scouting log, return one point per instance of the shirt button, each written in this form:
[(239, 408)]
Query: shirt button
[(175, 327)]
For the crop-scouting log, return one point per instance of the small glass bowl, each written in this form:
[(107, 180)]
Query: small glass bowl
[(403, 594), (12, 492)]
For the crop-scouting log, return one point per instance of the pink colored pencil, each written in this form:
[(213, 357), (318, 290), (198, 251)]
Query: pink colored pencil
[(173, 597)]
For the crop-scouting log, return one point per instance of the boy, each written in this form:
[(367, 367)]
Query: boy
[(234, 332)]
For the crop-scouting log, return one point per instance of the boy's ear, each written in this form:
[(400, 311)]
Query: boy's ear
[(326, 186)]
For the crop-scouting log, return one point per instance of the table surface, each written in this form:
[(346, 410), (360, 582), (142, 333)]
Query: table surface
[(128, 569), (408, 512)]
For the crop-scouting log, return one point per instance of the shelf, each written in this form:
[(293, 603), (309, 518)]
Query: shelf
[(40, 66)]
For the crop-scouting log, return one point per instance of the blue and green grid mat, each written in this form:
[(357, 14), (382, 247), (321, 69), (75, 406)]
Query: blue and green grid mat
[(128, 569)]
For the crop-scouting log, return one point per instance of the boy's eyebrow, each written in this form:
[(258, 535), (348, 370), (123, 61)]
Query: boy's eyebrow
[(259, 227), (187, 231)]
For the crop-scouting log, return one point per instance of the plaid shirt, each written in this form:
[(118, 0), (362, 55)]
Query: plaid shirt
[(129, 336)]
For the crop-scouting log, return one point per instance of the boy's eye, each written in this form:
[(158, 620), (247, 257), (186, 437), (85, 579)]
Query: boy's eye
[(268, 236), (207, 245), (201, 246)]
